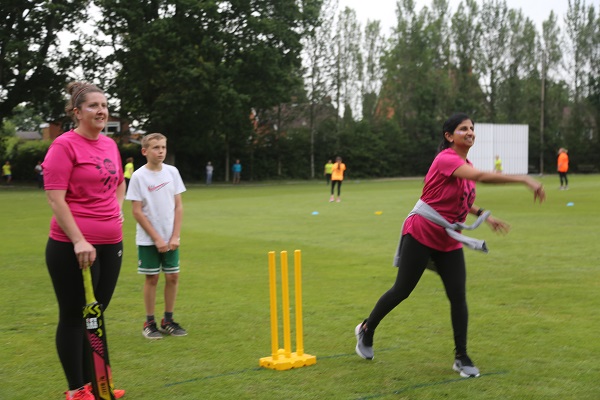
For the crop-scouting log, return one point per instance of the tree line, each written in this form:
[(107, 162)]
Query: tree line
[(285, 85)]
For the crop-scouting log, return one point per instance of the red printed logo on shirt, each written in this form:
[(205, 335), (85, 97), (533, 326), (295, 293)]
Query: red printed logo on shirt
[(154, 188)]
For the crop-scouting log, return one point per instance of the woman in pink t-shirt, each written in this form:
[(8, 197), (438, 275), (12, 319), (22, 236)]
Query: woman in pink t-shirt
[(85, 188), (450, 191)]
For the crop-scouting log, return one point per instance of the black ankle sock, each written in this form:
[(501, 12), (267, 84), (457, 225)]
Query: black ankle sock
[(168, 317)]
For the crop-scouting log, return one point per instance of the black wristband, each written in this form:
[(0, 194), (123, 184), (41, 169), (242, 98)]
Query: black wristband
[(480, 211)]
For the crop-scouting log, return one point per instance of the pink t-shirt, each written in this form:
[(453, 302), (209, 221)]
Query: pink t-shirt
[(90, 171), (449, 196)]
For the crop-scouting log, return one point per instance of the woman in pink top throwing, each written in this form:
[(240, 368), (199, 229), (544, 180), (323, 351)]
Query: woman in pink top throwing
[(84, 185), (449, 192)]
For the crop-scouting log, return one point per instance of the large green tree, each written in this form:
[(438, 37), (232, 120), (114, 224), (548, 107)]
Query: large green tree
[(439, 32), (318, 64), (518, 94), (594, 73), (194, 69), (466, 33), (580, 130), (348, 62), (33, 70), (494, 17), (373, 49), (549, 61)]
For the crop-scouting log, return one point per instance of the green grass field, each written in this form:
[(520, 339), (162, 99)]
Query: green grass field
[(534, 299)]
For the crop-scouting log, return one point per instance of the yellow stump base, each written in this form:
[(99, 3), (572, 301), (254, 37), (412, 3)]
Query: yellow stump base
[(283, 363)]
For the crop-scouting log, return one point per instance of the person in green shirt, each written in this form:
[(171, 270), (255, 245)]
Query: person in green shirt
[(328, 170)]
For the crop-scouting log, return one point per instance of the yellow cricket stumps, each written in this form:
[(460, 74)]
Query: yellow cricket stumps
[(284, 359)]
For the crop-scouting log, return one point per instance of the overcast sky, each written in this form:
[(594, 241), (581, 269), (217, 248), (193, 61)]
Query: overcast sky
[(385, 10)]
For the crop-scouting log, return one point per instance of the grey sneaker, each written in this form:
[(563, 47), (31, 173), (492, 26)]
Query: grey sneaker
[(364, 341), (464, 366), (150, 331), (172, 328)]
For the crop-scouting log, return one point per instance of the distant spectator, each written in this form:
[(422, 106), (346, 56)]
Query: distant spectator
[(6, 172), (327, 171), (563, 168), (498, 165), (237, 172), (39, 174), (337, 177), (128, 170), (209, 173)]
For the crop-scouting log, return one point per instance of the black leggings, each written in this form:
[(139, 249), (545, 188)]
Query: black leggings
[(563, 178), (339, 187), (413, 260), (68, 286)]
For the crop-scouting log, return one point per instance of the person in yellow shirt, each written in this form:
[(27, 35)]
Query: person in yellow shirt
[(337, 176), (327, 172), (128, 170), (6, 172), (498, 165)]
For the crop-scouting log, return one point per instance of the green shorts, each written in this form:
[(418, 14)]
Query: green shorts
[(151, 262)]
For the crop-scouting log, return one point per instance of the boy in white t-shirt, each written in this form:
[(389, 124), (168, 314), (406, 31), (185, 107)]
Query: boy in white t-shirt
[(155, 191)]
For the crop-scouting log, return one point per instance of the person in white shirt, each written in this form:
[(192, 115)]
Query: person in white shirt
[(209, 173), (155, 191)]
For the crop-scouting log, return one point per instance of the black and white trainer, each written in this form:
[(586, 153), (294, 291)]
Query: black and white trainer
[(465, 367), (150, 331), (364, 341)]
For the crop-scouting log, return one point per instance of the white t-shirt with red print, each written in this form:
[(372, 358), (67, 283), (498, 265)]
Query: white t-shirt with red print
[(156, 190)]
